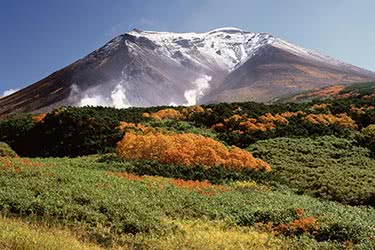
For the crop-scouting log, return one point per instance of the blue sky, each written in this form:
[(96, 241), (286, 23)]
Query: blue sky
[(39, 37)]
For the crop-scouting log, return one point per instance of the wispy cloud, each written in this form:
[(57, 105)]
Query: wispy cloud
[(9, 92)]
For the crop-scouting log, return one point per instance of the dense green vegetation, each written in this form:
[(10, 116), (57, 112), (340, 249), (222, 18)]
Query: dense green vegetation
[(327, 167), (83, 193), (319, 195)]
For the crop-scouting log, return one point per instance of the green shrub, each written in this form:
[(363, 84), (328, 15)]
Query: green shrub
[(328, 167), (216, 175), (367, 138), (6, 150)]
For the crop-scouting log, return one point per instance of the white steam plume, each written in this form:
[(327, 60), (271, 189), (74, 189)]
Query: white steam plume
[(200, 85), (117, 99)]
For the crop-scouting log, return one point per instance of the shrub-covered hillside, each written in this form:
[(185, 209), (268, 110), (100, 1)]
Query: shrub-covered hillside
[(82, 131), (225, 176)]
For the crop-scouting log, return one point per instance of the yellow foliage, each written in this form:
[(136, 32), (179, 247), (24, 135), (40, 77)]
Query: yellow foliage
[(186, 149), (190, 110), (342, 120), (197, 235), (361, 110), (241, 124), (171, 113), (369, 131), (319, 106), (15, 234), (136, 127), (251, 125), (292, 114), (245, 184), (234, 118), (167, 114), (269, 118)]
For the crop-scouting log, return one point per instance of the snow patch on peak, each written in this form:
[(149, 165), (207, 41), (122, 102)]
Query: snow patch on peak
[(226, 29), (225, 48)]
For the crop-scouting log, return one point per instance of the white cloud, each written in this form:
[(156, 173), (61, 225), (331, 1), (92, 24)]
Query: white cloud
[(9, 92)]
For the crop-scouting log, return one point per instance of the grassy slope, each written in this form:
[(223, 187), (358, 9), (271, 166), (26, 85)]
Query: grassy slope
[(80, 192), (18, 235), (328, 167)]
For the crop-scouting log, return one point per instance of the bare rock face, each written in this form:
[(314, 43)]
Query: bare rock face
[(143, 68)]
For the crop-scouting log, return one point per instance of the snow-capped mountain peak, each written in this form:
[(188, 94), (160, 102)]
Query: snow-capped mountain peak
[(226, 47)]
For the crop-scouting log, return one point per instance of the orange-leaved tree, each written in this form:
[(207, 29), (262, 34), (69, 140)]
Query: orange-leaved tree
[(186, 149), (341, 120), (170, 113), (39, 118)]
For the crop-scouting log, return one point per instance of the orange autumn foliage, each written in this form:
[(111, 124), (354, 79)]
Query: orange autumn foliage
[(269, 118), (251, 125), (302, 224), (190, 110), (167, 114), (325, 92), (171, 113), (128, 125), (299, 226), (20, 164), (361, 110), (39, 118), (128, 176), (319, 106), (186, 149), (289, 114), (240, 124), (342, 120)]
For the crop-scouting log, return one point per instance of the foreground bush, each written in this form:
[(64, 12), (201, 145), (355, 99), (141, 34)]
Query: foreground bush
[(6, 150), (186, 149)]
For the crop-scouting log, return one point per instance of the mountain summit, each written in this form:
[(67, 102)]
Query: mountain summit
[(146, 68)]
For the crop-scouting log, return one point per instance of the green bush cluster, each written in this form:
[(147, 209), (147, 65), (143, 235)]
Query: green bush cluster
[(6, 150), (328, 167), (215, 175)]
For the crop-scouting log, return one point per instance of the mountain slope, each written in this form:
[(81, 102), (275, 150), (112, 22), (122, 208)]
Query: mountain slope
[(276, 71), (144, 68), (364, 90)]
